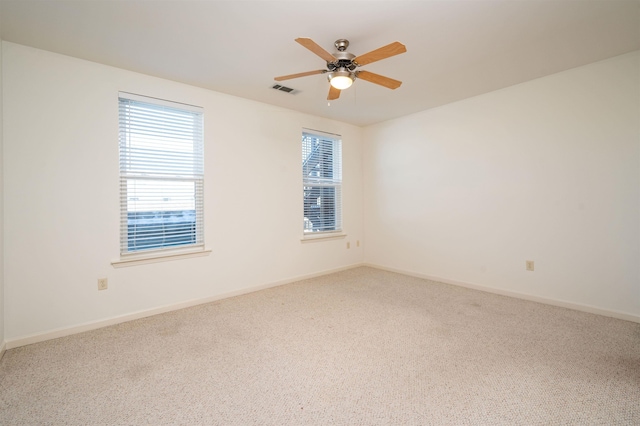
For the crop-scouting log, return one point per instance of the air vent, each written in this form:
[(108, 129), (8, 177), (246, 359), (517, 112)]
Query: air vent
[(284, 89)]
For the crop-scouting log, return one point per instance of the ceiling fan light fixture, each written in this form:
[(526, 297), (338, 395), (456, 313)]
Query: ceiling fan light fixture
[(341, 79), (341, 65)]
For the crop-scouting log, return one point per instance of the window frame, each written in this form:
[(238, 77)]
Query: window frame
[(334, 180), (193, 173)]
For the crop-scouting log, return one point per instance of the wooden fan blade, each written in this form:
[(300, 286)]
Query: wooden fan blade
[(384, 52), (379, 79), (333, 93), (300, 74), (315, 48)]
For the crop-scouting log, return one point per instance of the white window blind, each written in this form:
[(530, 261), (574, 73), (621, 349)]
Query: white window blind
[(322, 182), (161, 174)]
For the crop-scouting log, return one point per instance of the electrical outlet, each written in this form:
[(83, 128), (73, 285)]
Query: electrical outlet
[(529, 265), (358, 243), (103, 284), (348, 245)]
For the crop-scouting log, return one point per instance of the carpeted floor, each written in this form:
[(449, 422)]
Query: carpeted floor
[(359, 347)]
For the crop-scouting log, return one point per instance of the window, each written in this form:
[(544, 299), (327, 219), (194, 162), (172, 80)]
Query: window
[(322, 182), (161, 175)]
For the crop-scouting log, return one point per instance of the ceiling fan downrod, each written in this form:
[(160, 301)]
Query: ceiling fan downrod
[(341, 44)]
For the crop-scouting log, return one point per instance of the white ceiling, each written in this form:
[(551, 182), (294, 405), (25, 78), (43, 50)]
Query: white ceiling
[(455, 49)]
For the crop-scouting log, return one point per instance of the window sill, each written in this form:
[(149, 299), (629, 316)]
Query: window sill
[(322, 237), (142, 259)]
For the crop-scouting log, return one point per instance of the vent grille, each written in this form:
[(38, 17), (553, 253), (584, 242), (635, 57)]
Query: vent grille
[(284, 88)]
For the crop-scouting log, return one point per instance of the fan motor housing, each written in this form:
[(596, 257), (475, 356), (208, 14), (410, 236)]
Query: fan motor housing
[(344, 60)]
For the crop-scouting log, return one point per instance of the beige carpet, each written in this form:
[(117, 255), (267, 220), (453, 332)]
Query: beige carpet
[(360, 347)]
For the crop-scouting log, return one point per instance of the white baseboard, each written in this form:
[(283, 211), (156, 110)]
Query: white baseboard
[(93, 325), (3, 348), (561, 303), (67, 331)]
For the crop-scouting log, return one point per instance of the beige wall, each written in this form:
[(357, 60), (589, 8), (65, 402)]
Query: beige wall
[(548, 171), (2, 300), (62, 202)]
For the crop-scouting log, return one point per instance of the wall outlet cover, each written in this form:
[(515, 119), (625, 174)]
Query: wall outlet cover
[(103, 284)]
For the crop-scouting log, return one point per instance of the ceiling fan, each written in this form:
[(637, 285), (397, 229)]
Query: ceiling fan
[(341, 66)]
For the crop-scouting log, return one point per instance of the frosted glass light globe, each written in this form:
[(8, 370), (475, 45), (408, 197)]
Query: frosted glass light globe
[(341, 80)]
